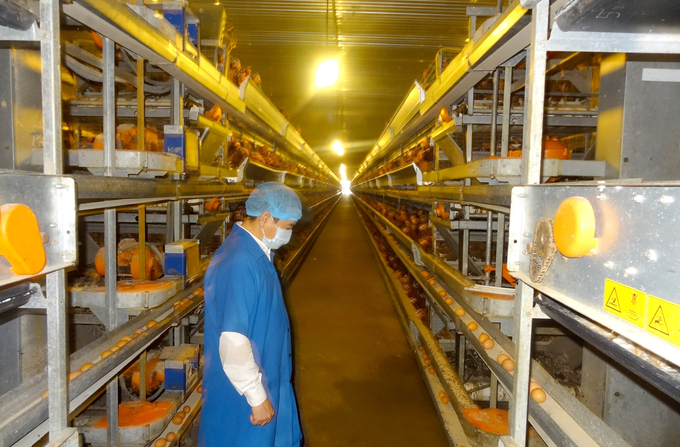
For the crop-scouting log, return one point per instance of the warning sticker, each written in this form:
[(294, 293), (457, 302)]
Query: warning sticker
[(613, 301), (625, 302), (663, 319)]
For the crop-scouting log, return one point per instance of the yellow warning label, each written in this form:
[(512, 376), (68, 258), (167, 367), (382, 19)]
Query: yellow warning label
[(663, 319), (625, 302)]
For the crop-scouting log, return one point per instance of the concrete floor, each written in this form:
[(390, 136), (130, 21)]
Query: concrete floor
[(357, 382)]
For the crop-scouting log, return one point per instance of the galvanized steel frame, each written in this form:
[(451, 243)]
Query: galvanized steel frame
[(568, 423), (50, 55), (525, 311), (104, 198)]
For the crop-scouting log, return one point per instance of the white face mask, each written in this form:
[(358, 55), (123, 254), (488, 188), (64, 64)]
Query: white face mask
[(281, 238)]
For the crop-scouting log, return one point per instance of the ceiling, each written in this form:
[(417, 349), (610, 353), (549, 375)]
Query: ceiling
[(381, 46)]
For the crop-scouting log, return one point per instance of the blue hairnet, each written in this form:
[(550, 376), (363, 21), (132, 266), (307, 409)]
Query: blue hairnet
[(281, 202)]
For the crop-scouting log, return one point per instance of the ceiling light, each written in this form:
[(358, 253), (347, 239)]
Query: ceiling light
[(344, 182), (327, 73), (337, 147)]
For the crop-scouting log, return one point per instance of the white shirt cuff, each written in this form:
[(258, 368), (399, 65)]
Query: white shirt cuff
[(256, 396)]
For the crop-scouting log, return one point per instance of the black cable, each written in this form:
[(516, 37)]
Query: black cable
[(147, 81), (157, 394)]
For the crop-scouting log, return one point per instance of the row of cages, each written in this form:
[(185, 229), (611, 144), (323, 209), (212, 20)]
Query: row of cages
[(601, 338), (200, 143), (558, 285), (204, 126), (155, 147), (159, 313)]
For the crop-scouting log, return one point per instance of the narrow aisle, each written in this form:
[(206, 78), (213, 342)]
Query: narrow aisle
[(357, 382)]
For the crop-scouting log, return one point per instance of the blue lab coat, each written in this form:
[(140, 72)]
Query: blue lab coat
[(243, 294)]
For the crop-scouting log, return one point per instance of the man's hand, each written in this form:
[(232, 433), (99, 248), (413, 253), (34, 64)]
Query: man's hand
[(262, 414)]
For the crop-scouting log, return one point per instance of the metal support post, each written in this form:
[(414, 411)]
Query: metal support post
[(112, 413), (177, 220), (493, 391), (142, 242), (500, 249), (53, 159), (531, 174), (494, 113), (77, 134), (57, 363), (461, 355), (505, 143), (142, 376), (110, 243), (507, 104), (177, 335), (109, 93), (111, 283), (489, 242), (141, 106), (464, 258), (535, 95), (110, 236), (177, 120), (169, 222), (177, 105), (524, 303)]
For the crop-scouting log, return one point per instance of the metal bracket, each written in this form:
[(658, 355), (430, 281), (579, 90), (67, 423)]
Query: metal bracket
[(37, 299), (30, 35), (529, 4), (68, 437), (421, 93), (419, 174), (193, 113), (416, 254), (203, 135), (506, 441), (242, 88), (481, 11), (516, 59), (242, 170), (538, 314), (610, 42)]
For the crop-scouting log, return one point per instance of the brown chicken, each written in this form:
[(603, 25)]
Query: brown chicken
[(234, 70)]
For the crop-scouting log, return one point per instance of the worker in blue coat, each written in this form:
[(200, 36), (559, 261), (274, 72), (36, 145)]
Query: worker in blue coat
[(248, 397)]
